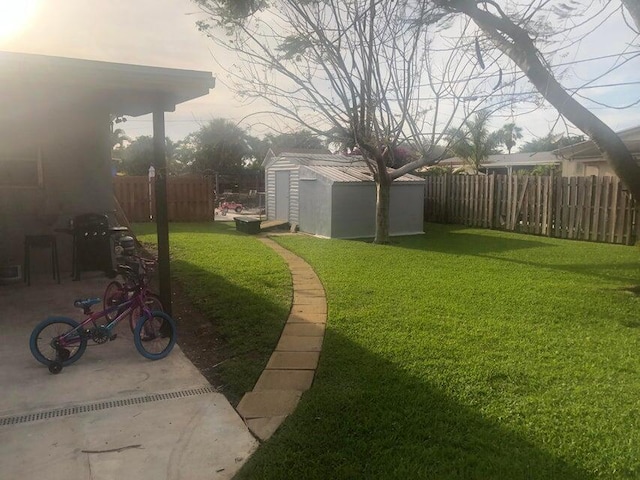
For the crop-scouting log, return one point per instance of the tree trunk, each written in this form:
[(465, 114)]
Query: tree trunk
[(633, 7), (516, 43), (383, 200)]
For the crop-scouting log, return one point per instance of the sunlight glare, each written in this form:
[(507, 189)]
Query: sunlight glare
[(15, 15)]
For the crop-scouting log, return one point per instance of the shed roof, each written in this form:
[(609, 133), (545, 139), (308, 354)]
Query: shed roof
[(354, 174), (338, 167), (326, 159), (126, 89)]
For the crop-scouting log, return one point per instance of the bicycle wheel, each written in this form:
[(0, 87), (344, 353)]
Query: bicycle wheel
[(155, 335), (153, 303), (114, 294), (44, 336)]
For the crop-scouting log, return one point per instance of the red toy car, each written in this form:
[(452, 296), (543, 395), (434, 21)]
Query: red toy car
[(226, 206)]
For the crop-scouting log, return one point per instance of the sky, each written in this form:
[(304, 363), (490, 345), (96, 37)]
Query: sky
[(163, 33)]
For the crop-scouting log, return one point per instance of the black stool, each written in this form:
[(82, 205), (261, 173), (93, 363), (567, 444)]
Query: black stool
[(40, 241)]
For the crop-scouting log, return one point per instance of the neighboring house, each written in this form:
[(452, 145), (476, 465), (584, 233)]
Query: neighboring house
[(579, 160), (503, 163), (55, 150), (335, 196), (584, 158)]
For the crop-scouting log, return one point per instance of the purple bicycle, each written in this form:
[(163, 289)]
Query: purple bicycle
[(60, 341), (136, 274)]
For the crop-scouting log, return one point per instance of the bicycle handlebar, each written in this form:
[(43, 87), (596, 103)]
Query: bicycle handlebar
[(137, 271)]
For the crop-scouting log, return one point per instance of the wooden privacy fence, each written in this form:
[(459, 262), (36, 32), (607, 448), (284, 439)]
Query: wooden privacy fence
[(582, 208), (189, 198)]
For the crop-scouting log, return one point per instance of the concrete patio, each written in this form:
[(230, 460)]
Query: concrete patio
[(112, 414)]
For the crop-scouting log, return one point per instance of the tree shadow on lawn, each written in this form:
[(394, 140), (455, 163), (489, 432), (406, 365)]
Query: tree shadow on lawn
[(619, 272), (450, 241), (459, 240), (366, 418)]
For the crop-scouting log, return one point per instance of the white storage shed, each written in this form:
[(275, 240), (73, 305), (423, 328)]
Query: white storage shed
[(335, 196)]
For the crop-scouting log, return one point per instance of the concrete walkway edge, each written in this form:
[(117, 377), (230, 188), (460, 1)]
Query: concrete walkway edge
[(291, 368)]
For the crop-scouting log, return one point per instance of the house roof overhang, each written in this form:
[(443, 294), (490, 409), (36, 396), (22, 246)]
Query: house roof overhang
[(522, 159), (123, 88), (588, 149)]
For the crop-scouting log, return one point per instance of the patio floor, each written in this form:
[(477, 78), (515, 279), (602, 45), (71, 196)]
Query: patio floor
[(112, 414)]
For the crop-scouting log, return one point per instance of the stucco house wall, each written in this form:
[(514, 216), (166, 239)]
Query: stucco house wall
[(598, 167), (55, 152), (584, 159), (73, 155)]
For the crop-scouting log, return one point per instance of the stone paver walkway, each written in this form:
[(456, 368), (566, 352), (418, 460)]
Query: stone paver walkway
[(292, 365)]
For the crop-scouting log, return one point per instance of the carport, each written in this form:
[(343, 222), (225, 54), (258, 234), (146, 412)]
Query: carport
[(55, 152)]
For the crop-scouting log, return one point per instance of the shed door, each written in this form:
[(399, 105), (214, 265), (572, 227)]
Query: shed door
[(282, 196)]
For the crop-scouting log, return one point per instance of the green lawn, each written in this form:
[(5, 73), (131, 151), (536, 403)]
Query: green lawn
[(238, 283), (465, 353)]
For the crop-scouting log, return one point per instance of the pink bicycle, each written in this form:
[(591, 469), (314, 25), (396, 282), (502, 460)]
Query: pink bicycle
[(60, 341), (136, 276)]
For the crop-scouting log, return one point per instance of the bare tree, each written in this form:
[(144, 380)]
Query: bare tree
[(511, 33), (633, 7), (364, 70)]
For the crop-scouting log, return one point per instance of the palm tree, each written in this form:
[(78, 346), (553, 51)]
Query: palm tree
[(510, 134), (118, 137), (220, 145), (473, 142)]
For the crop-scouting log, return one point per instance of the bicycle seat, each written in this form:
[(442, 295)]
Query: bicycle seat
[(125, 269), (130, 269), (86, 303)]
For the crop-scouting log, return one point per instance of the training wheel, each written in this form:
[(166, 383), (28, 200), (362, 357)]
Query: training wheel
[(55, 367)]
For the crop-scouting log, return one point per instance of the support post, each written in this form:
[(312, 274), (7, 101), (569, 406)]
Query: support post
[(162, 214)]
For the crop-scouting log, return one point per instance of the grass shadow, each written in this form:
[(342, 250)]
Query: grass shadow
[(376, 421), (457, 240), (517, 249), (619, 272), (465, 241), (229, 300)]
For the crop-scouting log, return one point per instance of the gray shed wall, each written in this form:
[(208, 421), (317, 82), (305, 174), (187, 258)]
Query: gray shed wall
[(343, 209), (354, 210), (315, 207)]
